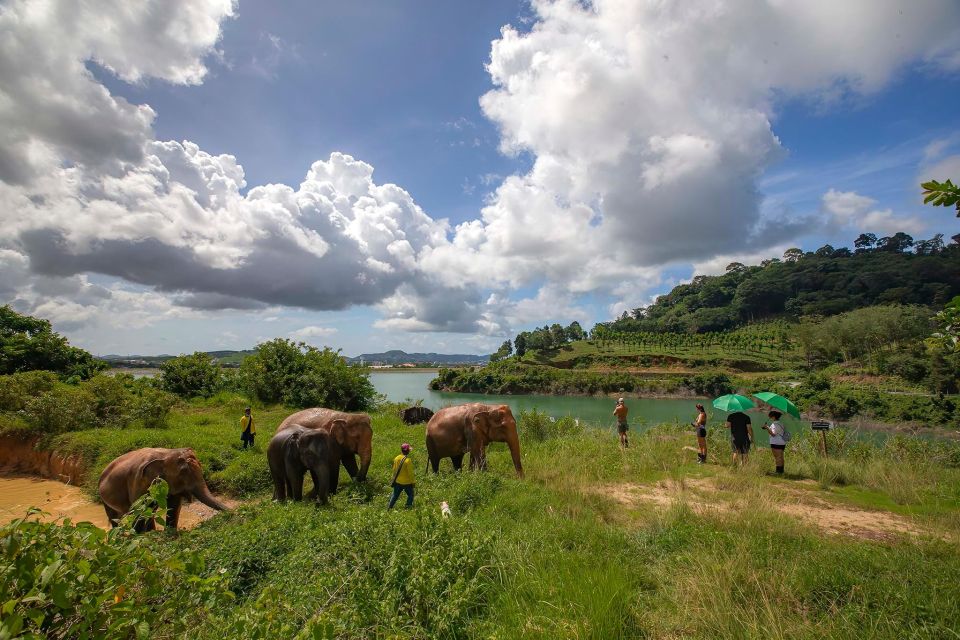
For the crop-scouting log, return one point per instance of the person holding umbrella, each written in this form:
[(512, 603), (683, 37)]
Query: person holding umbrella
[(741, 433), (779, 436)]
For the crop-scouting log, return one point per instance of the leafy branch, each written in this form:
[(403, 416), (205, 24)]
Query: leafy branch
[(941, 194)]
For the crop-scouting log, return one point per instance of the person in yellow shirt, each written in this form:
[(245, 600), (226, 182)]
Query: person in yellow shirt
[(402, 476), (247, 430)]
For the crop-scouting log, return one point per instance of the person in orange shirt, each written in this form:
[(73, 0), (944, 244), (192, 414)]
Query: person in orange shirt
[(621, 412)]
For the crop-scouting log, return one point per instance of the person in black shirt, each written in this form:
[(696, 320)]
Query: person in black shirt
[(741, 436)]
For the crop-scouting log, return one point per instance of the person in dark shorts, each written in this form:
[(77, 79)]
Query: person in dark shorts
[(741, 436), (247, 430), (621, 412), (778, 439), (700, 424)]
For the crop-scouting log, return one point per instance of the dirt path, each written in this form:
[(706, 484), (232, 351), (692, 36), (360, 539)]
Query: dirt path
[(58, 500), (703, 496)]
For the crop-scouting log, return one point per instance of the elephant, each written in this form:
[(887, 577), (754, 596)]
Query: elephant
[(129, 476), (297, 450), (415, 415), (454, 431), (356, 438)]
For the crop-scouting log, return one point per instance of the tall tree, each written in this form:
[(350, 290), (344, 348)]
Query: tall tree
[(865, 242)]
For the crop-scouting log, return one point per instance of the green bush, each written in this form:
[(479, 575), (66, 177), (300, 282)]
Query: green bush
[(709, 384), (16, 389), (64, 408), (537, 425), (77, 581), (191, 376), (299, 375)]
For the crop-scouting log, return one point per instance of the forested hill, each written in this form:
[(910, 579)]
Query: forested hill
[(825, 282)]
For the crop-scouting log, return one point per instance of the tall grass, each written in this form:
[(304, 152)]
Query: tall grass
[(554, 555)]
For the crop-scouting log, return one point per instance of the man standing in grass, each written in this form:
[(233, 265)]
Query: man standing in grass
[(247, 430), (621, 412), (402, 476), (741, 436)]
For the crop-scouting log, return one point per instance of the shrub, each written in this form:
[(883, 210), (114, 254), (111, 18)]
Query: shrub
[(152, 406), (64, 408), (78, 581), (709, 384), (299, 375), (112, 404), (191, 376), (16, 389), (537, 425)]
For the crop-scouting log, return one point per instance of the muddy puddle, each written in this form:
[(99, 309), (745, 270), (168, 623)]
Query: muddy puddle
[(58, 500)]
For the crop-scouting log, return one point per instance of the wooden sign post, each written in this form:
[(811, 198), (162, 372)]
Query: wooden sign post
[(822, 426)]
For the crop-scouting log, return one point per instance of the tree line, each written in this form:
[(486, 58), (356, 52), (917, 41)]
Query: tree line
[(825, 282)]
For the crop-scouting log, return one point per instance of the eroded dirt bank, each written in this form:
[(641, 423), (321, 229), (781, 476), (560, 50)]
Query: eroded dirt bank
[(48, 481), (20, 456)]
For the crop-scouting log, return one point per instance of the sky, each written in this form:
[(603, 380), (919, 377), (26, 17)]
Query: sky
[(437, 176)]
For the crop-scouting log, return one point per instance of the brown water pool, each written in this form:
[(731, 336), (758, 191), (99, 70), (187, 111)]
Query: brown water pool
[(58, 500)]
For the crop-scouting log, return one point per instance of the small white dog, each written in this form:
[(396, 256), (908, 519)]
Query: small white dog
[(445, 509)]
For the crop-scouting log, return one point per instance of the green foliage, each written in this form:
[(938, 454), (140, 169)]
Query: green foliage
[(867, 335), (190, 376), (709, 384), (300, 375), (941, 194), (49, 407), (879, 271), (947, 335), (503, 352), (30, 344), (512, 377), (77, 581), (17, 389), (348, 574), (538, 426)]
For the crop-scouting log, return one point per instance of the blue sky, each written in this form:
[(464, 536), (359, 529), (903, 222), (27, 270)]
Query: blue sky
[(555, 187)]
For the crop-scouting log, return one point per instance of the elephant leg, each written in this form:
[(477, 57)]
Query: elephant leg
[(349, 462), (280, 489), (334, 477), (316, 483), (457, 461), (296, 482), (113, 516), (174, 504)]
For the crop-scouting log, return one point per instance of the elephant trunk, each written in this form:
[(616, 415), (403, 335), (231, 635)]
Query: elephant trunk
[(365, 456), (513, 441), (204, 496)]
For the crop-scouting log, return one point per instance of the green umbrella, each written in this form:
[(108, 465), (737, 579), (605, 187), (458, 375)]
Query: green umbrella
[(733, 402), (778, 402)]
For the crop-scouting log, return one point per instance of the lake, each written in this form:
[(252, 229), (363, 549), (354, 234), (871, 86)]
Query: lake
[(399, 387)]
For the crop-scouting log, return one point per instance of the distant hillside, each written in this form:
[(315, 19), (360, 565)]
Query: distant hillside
[(396, 356), (225, 358), (824, 282)]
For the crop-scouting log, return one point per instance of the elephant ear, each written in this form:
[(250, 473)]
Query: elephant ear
[(481, 423), (151, 469), (338, 430)]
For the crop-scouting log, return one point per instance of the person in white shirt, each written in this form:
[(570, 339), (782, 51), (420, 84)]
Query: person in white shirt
[(777, 442)]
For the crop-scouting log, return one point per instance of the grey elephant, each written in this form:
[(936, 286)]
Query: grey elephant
[(297, 450)]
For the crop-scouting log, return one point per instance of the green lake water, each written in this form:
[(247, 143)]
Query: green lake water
[(644, 412)]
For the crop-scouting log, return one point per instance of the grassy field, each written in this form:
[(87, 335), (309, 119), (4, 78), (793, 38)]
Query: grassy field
[(595, 542)]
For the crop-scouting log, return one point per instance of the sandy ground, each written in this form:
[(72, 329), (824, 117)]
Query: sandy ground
[(703, 496), (58, 500)]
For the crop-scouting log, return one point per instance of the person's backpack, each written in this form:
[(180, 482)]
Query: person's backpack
[(786, 434)]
